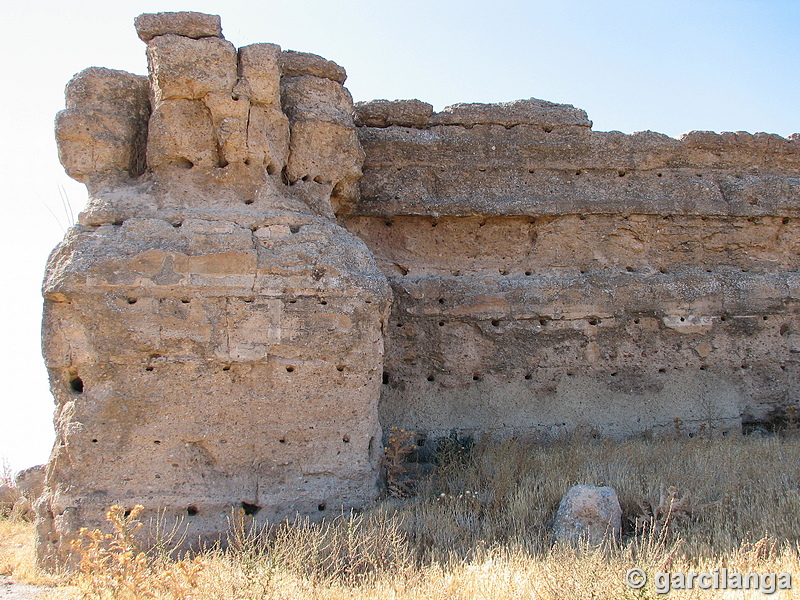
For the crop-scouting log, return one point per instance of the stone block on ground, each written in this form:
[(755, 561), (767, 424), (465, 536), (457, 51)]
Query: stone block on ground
[(588, 515)]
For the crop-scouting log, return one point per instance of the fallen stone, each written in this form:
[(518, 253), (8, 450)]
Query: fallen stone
[(588, 514), (30, 482), (8, 497), (188, 24), (23, 510)]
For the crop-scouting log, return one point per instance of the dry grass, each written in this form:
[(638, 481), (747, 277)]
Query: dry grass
[(480, 528)]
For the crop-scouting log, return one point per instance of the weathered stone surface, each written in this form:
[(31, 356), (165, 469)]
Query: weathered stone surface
[(215, 341), (23, 510), (383, 113), (30, 482), (307, 98), (324, 152), (8, 498), (103, 129), (259, 64), (192, 314), (324, 146), (109, 91), (268, 137), (294, 63), (588, 514), (551, 276), (186, 68), (188, 24), (182, 134), (509, 114)]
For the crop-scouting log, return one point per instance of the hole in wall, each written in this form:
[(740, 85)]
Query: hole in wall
[(340, 368), (250, 509), (495, 323), (184, 163), (441, 323), (441, 300), (127, 513), (131, 300), (290, 369), (528, 376), (346, 439), (157, 442), (294, 228), (659, 174), (177, 224), (388, 223), (282, 440), (385, 378), (662, 370), (785, 221), (594, 321), (528, 273), (321, 506), (192, 510), (323, 302), (226, 367), (249, 201), (476, 377), (76, 384), (149, 369), (431, 378), (94, 440), (185, 300), (723, 318), (621, 173)]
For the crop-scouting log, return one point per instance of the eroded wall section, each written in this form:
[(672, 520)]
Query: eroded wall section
[(547, 276), (213, 338)]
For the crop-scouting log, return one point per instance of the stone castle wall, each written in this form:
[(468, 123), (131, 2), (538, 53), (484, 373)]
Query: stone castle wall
[(547, 276), (266, 276)]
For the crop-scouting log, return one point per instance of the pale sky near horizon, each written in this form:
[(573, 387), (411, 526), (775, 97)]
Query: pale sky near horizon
[(668, 66)]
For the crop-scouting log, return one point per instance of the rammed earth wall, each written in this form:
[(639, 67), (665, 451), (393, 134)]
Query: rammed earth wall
[(266, 276)]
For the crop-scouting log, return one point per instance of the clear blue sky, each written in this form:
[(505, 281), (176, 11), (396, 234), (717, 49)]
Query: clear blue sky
[(669, 66)]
